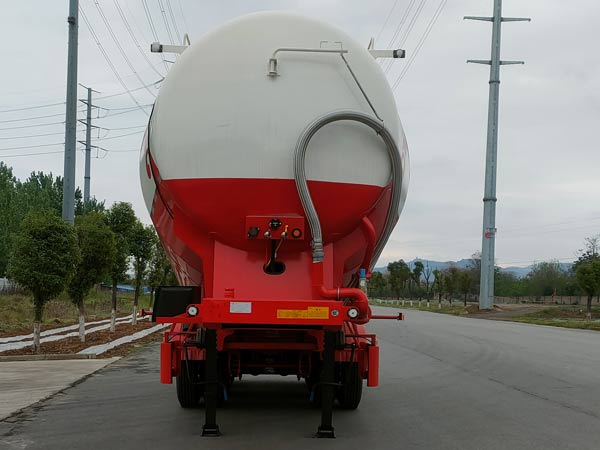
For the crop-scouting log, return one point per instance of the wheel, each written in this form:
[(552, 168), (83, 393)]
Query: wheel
[(350, 392), (189, 390)]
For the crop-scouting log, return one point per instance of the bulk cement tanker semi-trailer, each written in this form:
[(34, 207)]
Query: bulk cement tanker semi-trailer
[(274, 167)]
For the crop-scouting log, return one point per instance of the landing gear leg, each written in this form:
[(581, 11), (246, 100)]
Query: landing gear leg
[(325, 430), (211, 378)]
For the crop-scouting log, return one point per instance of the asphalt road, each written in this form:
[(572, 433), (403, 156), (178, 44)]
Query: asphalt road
[(446, 383)]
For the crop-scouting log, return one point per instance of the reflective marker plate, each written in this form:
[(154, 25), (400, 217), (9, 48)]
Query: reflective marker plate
[(240, 307), (313, 312)]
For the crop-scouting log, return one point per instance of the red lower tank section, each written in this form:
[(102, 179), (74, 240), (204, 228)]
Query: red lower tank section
[(203, 225)]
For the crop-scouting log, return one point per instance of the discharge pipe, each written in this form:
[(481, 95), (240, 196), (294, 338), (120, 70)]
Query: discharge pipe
[(359, 298), (304, 193)]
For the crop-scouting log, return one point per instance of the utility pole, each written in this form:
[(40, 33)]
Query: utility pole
[(486, 294), (88, 149), (87, 142), (68, 204)]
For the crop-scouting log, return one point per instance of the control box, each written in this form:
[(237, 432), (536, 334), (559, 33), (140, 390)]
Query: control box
[(275, 227)]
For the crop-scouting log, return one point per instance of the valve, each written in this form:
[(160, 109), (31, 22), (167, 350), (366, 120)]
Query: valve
[(253, 232), (274, 224)]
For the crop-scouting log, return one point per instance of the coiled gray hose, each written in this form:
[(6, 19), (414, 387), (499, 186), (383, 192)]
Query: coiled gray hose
[(302, 186)]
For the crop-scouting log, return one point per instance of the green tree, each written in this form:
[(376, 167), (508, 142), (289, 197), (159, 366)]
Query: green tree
[(546, 278), (8, 223), (398, 275), (160, 272), (438, 284), (588, 277), (474, 267), (590, 252), (97, 247), (427, 272), (92, 205), (43, 260), (377, 285), (121, 220), (507, 284), (465, 283), (451, 281), (142, 238), (415, 277)]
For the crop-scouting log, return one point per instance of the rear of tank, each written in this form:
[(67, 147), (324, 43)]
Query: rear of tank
[(218, 163), (222, 137)]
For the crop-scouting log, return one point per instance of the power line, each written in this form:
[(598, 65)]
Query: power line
[(116, 94), (419, 45), (32, 118), (407, 31), (31, 136), (32, 154), (130, 90), (175, 21), (48, 105), (117, 43), (31, 146), (386, 21), (187, 28), (133, 109), (400, 25), (106, 57), (124, 128), (132, 34), (115, 151), (153, 29), (165, 20), (32, 126), (120, 136)]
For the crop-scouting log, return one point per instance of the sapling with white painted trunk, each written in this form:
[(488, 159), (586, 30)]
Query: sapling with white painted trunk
[(588, 278), (43, 260), (97, 248), (121, 220), (142, 242)]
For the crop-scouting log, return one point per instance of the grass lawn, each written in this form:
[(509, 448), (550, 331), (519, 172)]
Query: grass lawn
[(455, 310), (563, 316), (16, 310), (557, 316)]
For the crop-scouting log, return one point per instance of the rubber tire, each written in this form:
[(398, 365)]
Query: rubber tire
[(188, 393), (350, 392)]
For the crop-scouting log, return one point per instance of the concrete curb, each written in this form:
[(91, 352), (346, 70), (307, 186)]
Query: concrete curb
[(46, 357)]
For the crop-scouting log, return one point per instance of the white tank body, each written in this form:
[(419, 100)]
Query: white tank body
[(220, 116)]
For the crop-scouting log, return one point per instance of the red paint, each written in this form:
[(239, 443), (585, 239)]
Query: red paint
[(370, 235), (166, 357), (203, 225), (373, 372)]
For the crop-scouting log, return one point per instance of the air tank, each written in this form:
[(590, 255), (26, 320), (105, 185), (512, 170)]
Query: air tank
[(219, 160)]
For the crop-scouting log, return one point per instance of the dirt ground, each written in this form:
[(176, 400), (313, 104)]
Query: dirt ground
[(507, 312), (73, 345), (55, 323)]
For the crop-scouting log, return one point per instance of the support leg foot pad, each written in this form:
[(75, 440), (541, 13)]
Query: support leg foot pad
[(211, 431), (326, 433)]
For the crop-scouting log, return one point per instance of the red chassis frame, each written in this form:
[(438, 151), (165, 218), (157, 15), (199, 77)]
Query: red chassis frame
[(227, 316)]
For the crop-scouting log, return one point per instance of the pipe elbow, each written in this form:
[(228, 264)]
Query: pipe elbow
[(360, 300)]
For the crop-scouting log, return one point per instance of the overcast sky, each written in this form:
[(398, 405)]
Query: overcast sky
[(549, 156)]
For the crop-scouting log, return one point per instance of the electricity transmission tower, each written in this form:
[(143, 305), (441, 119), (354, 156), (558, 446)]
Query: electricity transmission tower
[(486, 294), (87, 142), (68, 201)]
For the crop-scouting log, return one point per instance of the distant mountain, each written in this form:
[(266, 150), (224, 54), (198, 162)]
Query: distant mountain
[(519, 272)]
